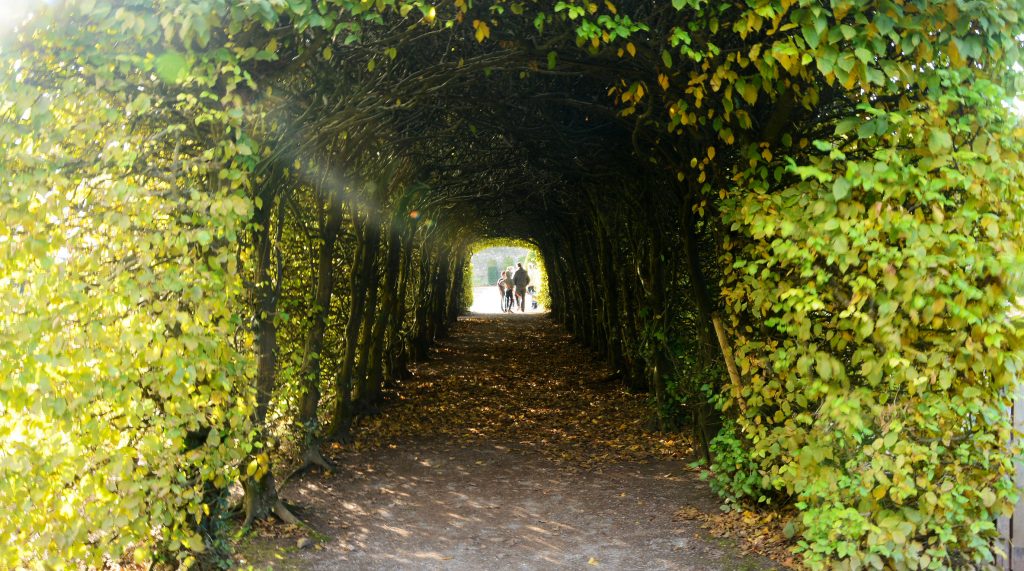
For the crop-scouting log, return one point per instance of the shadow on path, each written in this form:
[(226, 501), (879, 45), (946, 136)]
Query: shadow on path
[(509, 450)]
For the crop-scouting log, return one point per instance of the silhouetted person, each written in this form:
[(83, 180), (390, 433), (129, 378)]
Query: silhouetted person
[(506, 281), (521, 279), (501, 289)]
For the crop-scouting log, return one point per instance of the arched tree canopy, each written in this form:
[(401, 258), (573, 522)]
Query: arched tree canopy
[(227, 227)]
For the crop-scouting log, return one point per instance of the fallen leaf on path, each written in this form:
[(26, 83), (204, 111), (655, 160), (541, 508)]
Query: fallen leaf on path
[(552, 398), (757, 532)]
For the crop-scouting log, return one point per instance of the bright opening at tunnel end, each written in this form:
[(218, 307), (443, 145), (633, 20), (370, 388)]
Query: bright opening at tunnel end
[(493, 264)]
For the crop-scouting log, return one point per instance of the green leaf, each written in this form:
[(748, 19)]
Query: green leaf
[(846, 125), (939, 141), (811, 36), (141, 104), (171, 67), (988, 497), (841, 188), (827, 60), (867, 129), (823, 366)]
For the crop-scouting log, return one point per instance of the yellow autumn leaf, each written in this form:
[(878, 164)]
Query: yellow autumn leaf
[(631, 49), (483, 31)]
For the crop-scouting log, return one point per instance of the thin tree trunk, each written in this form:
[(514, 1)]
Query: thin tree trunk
[(659, 363), (438, 327), (309, 373), (422, 337), (455, 292), (608, 276), (341, 422), (398, 350), (707, 418), (371, 284), (392, 268), (261, 493)]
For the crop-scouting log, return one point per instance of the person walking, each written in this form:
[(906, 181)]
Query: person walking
[(521, 279), (501, 289), (507, 302)]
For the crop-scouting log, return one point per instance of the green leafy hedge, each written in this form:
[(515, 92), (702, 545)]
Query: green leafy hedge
[(733, 474), (869, 302)]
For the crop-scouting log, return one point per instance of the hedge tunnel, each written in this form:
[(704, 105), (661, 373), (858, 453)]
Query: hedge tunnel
[(228, 227)]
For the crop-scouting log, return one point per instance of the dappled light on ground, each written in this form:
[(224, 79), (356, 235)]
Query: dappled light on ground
[(510, 448)]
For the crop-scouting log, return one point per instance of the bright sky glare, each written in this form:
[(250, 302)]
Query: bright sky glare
[(13, 12)]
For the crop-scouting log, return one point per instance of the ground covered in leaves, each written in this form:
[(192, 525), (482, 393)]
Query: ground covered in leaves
[(521, 378), (512, 448)]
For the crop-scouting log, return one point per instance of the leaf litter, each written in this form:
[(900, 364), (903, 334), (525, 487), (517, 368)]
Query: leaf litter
[(553, 397), (521, 384)]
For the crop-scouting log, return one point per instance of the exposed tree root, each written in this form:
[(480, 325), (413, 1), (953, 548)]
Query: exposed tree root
[(282, 512), (311, 458), (278, 509), (261, 501)]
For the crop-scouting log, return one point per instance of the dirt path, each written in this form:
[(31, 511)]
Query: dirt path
[(505, 454)]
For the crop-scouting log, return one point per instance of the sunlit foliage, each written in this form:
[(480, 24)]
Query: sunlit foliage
[(227, 226)]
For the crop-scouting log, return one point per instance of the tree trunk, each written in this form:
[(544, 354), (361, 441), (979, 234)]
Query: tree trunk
[(438, 326), (341, 422), (261, 493), (610, 302), (422, 337), (309, 373), (707, 418), (392, 267), (371, 284), (659, 363), (455, 292), (398, 351)]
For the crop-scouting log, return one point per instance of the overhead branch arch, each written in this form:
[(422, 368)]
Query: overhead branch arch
[(231, 227)]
